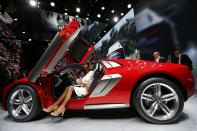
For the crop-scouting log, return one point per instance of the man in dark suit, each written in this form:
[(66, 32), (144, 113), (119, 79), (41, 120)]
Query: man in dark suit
[(183, 59), (158, 58)]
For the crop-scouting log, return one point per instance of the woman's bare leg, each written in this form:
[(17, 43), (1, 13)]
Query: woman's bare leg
[(61, 98), (55, 105), (61, 108), (67, 96)]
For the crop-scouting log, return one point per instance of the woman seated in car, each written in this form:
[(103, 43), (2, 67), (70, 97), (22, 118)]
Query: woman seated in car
[(81, 89)]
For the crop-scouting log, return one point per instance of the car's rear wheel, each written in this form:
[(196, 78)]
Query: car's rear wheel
[(23, 103), (158, 100)]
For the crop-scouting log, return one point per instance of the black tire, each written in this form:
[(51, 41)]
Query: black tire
[(143, 105), (34, 104)]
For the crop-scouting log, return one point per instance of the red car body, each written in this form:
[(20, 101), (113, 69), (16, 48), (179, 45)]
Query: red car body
[(123, 77), (132, 72)]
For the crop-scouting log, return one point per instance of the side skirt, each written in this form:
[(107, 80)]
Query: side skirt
[(106, 106)]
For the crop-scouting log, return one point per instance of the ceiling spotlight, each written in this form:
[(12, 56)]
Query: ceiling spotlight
[(29, 39), (66, 9), (103, 8), (78, 9), (52, 4), (15, 19), (122, 14), (99, 15), (23, 32), (115, 19), (87, 18), (112, 11), (107, 19), (104, 30), (77, 16), (65, 13), (129, 6), (33, 3)]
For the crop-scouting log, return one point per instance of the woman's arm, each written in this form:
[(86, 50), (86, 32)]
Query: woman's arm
[(87, 80)]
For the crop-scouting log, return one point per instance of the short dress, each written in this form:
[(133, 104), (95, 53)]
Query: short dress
[(87, 79)]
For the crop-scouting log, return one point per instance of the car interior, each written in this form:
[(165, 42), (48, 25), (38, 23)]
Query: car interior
[(65, 78)]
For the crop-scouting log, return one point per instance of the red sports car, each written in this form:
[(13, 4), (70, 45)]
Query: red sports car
[(156, 90)]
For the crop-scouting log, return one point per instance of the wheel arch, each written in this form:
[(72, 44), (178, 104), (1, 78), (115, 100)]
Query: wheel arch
[(162, 75), (38, 90)]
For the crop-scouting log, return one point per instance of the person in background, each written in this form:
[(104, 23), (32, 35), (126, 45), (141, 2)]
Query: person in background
[(183, 59), (13, 74), (169, 59), (158, 58)]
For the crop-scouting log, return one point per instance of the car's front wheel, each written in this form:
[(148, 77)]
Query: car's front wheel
[(23, 103), (158, 100)]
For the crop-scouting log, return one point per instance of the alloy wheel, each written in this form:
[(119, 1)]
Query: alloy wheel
[(159, 101), (21, 103)]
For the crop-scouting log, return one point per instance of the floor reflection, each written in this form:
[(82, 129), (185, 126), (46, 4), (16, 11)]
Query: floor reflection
[(116, 120)]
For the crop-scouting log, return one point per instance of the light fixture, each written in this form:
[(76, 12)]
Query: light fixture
[(29, 39), (99, 15), (23, 32), (87, 18), (33, 3), (77, 16), (115, 19), (52, 4), (15, 19), (78, 9), (112, 11), (66, 9), (65, 13), (104, 30), (103, 8), (122, 14), (107, 19), (129, 6)]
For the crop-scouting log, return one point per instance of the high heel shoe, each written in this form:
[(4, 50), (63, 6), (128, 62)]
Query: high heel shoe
[(50, 109), (59, 111)]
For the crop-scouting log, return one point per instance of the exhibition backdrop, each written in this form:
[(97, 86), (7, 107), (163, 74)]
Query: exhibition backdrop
[(124, 32), (167, 25), (162, 26)]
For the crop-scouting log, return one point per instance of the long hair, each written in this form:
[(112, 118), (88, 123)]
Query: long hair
[(83, 71)]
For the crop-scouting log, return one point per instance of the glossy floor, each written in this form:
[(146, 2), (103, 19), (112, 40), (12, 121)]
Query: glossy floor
[(102, 120)]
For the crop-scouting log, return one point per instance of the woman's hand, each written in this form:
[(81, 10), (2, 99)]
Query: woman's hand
[(79, 81), (73, 73), (84, 85)]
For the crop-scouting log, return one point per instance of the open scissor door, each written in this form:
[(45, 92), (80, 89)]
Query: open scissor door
[(56, 50)]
